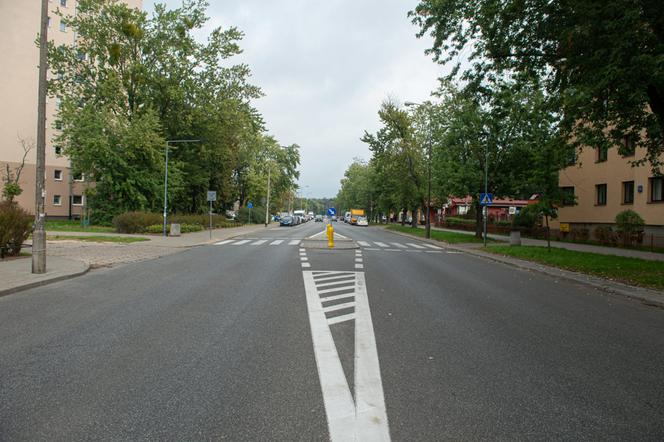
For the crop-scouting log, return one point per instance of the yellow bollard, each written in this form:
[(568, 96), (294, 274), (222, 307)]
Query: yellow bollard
[(330, 236)]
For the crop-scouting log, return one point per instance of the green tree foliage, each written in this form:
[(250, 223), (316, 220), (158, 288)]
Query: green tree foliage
[(601, 61), (356, 188), (131, 82)]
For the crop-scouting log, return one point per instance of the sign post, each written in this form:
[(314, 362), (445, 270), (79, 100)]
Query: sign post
[(211, 196), (251, 206), (486, 199)]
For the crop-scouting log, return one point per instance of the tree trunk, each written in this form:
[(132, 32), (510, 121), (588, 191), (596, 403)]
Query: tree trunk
[(478, 219), (548, 233), (403, 217)]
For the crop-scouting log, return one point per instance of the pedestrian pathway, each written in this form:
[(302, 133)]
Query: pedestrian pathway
[(366, 245)]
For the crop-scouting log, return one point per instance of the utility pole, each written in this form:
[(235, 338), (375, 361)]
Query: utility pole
[(39, 234), (267, 206), (485, 208)]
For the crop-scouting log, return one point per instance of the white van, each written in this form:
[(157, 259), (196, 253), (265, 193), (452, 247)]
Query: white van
[(347, 217)]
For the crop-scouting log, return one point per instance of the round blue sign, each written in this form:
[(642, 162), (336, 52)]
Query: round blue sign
[(331, 211), (250, 205)]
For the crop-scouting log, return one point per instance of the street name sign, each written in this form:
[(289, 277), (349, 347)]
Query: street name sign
[(486, 199)]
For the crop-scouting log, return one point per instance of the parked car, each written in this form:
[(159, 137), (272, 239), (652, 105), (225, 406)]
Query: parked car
[(286, 221), (362, 221)]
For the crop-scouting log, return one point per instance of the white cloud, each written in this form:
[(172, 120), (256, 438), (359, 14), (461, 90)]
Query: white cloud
[(325, 67)]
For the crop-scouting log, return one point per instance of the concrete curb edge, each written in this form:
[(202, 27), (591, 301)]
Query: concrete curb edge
[(44, 282)]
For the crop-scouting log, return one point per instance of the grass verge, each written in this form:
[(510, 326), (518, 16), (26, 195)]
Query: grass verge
[(448, 237), (115, 239), (634, 271), (74, 226)]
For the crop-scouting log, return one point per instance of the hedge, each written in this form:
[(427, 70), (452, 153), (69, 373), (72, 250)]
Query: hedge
[(15, 227)]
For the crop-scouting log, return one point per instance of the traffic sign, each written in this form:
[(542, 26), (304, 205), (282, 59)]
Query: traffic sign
[(332, 211), (486, 199), (212, 195), (250, 205)]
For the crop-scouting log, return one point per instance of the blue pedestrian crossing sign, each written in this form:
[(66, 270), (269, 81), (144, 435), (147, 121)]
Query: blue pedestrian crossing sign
[(486, 199), (331, 211), (250, 205)]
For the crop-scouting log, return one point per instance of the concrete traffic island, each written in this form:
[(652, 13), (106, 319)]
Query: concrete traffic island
[(319, 241)]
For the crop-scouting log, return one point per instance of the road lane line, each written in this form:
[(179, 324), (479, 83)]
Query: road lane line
[(221, 243), (259, 242), (304, 258), (433, 251), (358, 259), (431, 246), (338, 401), (341, 318), (414, 245), (294, 242), (363, 243), (359, 266), (305, 265), (244, 241), (335, 307), (277, 242), (335, 297), (380, 244)]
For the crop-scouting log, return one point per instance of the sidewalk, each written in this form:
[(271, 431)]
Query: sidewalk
[(617, 251), (67, 259)]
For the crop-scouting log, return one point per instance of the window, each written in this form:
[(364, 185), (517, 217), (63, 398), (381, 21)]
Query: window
[(77, 200), (58, 124), (567, 195), (79, 177), (63, 26), (628, 192), (571, 157), (628, 147), (58, 150), (57, 200), (602, 154), (63, 3), (657, 189), (80, 55), (49, 22), (57, 175), (600, 190)]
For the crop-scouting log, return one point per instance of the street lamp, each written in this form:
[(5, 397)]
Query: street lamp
[(427, 229), (168, 142)]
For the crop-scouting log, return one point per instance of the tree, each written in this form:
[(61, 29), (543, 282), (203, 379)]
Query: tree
[(601, 61), (12, 176)]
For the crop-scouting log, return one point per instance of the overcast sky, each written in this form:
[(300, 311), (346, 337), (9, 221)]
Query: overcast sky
[(325, 67)]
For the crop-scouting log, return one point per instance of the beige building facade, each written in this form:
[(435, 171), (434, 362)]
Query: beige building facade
[(18, 113), (604, 183)]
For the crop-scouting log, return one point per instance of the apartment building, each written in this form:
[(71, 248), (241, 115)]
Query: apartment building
[(18, 113), (604, 183)]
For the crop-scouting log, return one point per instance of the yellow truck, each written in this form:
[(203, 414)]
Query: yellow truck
[(354, 213)]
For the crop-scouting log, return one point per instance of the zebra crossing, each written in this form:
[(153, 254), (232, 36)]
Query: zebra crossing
[(383, 246)]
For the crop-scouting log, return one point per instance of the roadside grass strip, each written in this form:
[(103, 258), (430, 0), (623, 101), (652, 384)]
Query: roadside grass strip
[(634, 271), (448, 237), (74, 226), (100, 238)]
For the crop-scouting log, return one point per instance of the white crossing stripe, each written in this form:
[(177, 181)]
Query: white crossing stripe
[(431, 246), (306, 264), (221, 243), (349, 283), (259, 242), (415, 245), (358, 259), (239, 243), (363, 243), (401, 246), (294, 242), (336, 289), (304, 258), (276, 242), (359, 266), (380, 244), (335, 297), (336, 307), (341, 318)]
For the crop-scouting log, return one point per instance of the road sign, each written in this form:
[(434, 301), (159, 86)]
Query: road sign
[(332, 211), (512, 210), (486, 199), (250, 205), (212, 195)]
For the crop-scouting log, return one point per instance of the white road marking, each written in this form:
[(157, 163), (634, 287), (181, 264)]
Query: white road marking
[(341, 318), (221, 243), (277, 242), (258, 243), (359, 266), (335, 297), (335, 307), (371, 248), (364, 419), (431, 246), (380, 244), (348, 282), (305, 265), (413, 251), (363, 243), (294, 242), (304, 258), (415, 245), (433, 251), (337, 289), (401, 246), (358, 259), (244, 241)]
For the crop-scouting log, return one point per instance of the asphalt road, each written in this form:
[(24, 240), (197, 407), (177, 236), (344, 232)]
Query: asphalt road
[(233, 342)]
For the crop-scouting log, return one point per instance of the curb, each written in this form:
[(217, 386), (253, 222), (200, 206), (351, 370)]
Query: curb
[(44, 282), (646, 296)]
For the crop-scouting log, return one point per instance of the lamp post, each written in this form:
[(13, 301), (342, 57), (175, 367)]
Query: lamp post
[(427, 228), (168, 143)]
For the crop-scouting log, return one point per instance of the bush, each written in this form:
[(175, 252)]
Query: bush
[(184, 228), (15, 227), (630, 226), (527, 218), (257, 215), (581, 234), (605, 235), (136, 222)]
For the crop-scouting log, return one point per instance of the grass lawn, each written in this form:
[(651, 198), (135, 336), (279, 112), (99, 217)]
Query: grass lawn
[(116, 239), (448, 237), (74, 226), (634, 271)]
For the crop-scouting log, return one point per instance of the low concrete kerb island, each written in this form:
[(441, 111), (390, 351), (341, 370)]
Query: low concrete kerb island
[(16, 275)]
